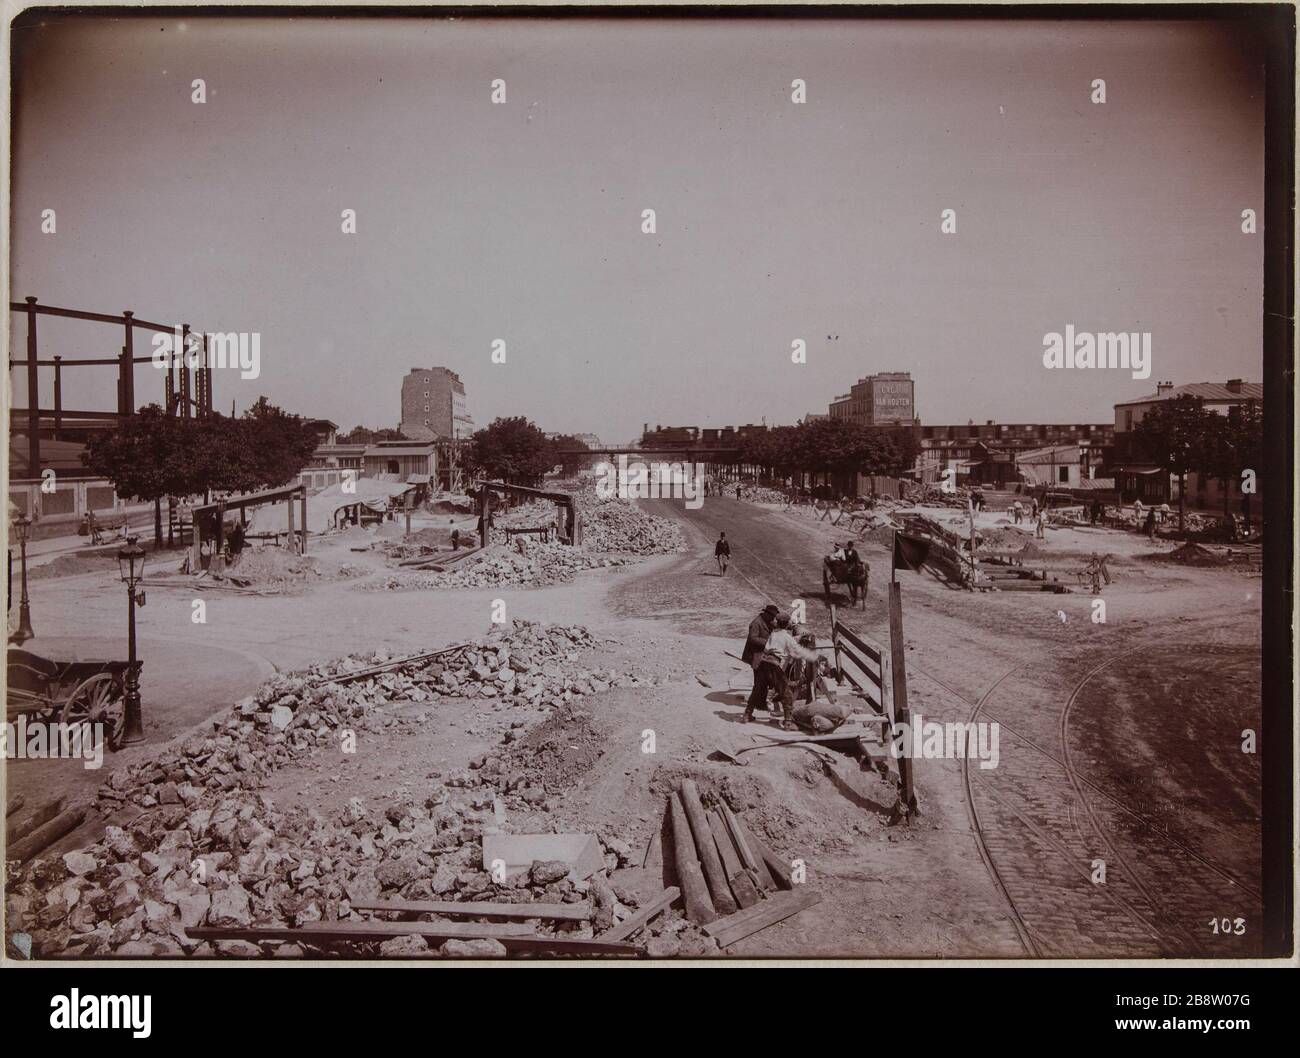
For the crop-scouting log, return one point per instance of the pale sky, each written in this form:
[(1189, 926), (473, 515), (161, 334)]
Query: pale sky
[(522, 221)]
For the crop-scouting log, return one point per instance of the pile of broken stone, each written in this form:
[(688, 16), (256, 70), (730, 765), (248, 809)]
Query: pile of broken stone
[(524, 563), (208, 849), (616, 526)]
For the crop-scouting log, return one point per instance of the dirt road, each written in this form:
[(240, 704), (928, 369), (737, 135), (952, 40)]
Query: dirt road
[(1123, 816)]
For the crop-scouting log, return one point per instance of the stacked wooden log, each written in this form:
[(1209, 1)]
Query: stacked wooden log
[(732, 884), (25, 836)]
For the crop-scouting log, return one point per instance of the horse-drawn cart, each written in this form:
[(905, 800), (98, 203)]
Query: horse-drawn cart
[(68, 692), (841, 571)]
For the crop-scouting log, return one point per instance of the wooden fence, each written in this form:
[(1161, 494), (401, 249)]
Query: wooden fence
[(878, 675)]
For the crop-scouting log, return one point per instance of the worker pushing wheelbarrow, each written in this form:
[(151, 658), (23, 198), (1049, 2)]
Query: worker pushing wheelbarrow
[(845, 566)]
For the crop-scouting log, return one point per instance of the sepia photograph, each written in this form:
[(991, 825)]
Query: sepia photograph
[(649, 485)]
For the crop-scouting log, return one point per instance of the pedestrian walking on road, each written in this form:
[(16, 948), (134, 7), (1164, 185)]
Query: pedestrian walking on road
[(1040, 524), (1151, 524), (722, 552)]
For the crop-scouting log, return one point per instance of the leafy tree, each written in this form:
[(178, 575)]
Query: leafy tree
[(514, 450), (895, 452), (829, 447), (280, 444), (1178, 435), (1235, 442), (361, 435), (572, 462), (151, 454), (148, 456)]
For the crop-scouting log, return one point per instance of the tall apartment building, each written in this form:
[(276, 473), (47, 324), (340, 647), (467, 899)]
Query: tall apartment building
[(884, 399), (433, 405)]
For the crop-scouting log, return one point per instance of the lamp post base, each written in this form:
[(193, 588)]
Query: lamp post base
[(133, 731)]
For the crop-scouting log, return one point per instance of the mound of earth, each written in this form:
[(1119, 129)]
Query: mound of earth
[(71, 565), (554, 755), (270, 567), (1190, 555)]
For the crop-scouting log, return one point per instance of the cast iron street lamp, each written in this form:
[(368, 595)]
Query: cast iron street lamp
[(22, 526), (130, 561)]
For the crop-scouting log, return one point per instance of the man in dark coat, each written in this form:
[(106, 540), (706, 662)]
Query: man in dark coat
[(722, 552), (760, 629)]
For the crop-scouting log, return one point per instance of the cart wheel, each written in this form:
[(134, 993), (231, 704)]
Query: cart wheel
[(98, 700)]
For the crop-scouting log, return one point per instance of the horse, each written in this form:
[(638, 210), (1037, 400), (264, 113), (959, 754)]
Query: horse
[(855, 575)]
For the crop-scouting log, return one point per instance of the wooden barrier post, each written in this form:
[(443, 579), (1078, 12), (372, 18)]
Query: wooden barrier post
[(898, 667), (58, 396), (302, 510), (218, 540), (835, 646), (33, 399)]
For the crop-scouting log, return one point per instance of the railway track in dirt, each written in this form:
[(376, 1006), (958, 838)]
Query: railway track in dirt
[(1083, 872), (1045, 830)]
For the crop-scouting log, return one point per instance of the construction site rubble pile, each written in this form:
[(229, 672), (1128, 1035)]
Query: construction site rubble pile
[(615, 526), (760, 494), (210, 850), (526, 563), (290, 715), (274, 568), (238, 861), (614, 533)]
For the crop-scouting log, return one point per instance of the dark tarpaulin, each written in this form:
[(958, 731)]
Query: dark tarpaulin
[(909, 552)]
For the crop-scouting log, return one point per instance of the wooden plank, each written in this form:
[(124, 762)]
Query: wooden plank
[(743, 886), (476, 908), (354, 932), (38, 817), (710, 861), (387, 666), (765, 879), (873, 674), (771, 911), (630, 925), (841, 734), (835, 646), (746, 854), (730, 859), (14, 803), (779, 867), (43, 837), (847, 633)]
